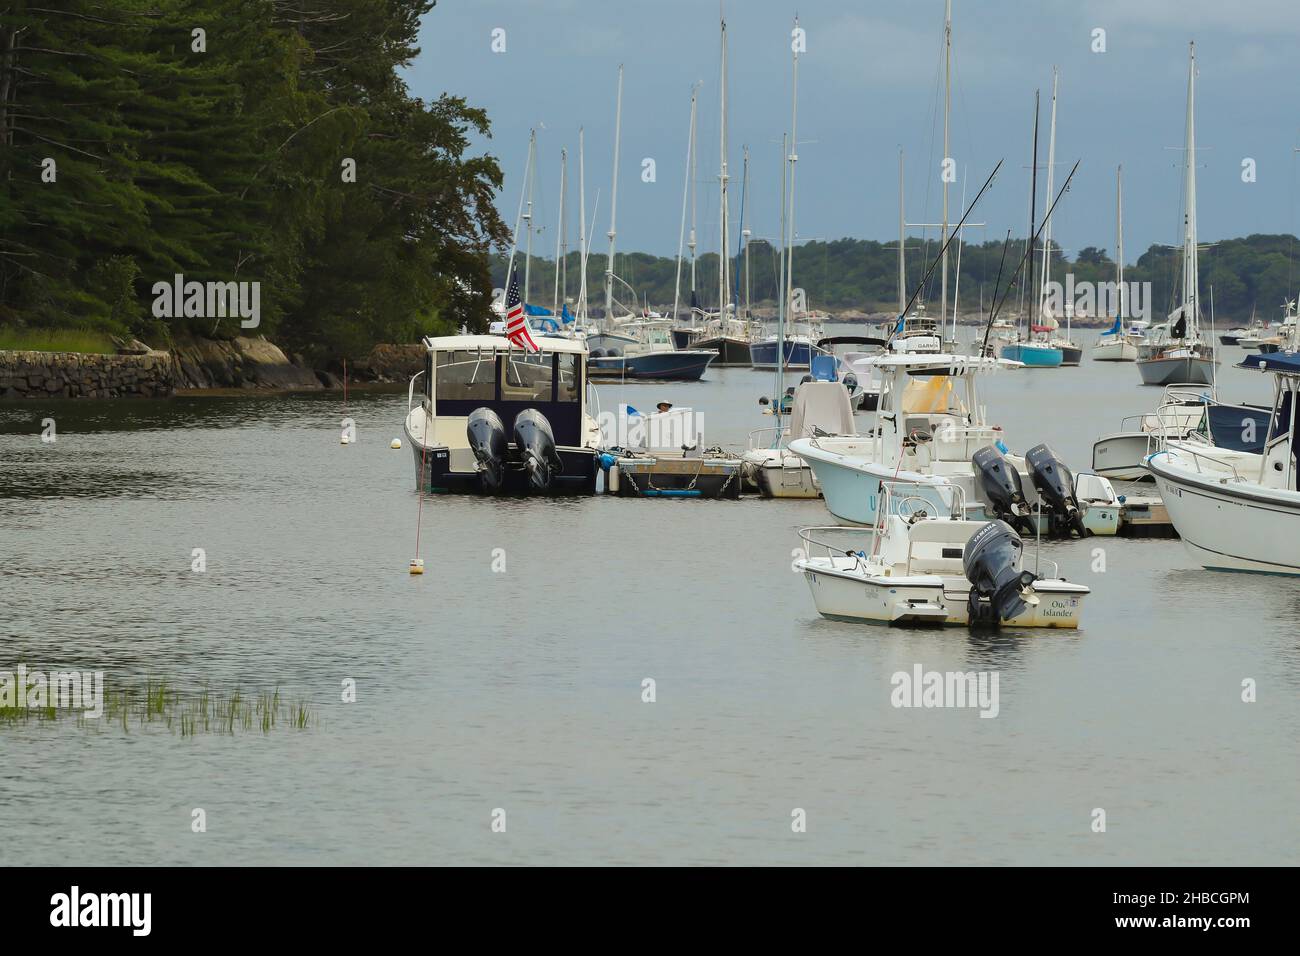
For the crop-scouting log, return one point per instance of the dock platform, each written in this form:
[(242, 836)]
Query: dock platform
[(1144, 516)]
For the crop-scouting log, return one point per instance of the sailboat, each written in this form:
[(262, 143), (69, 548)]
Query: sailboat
[(724, 331), (1178, 354), (1115, 344), (794, 345), (630, 346), (1031, 352), (1071, 354)]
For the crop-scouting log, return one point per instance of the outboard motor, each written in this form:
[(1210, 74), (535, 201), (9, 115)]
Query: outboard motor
[(998, 591), (487, 439), (536, 443), (1001, 485), (596, 353), (1055, 486)]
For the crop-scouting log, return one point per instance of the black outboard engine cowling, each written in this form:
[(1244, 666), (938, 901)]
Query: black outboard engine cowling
[(1001, 485), (990, 561), (487, 439), (1055, 485), (536, 443)]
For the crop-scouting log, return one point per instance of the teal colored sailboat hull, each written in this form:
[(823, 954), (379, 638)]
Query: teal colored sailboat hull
[(1033, 355)]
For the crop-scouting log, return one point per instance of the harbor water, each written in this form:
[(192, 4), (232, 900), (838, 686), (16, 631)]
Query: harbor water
[(508, 683)]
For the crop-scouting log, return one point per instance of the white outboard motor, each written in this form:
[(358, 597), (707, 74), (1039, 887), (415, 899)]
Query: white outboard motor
[(998, 591), (536, 444), (487, 439)]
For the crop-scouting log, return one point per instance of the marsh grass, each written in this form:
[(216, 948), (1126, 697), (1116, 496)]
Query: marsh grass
[(159, 704)]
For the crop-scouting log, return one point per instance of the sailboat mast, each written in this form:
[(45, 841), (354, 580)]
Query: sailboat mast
[(722, 183), (745, 230), (1033, 204), (1190, 265), (582, 231), (1119, 241), (690, 244), (791, 160), (561, 247), (686, 188), (613, 203), (947, 108), (956, 284), (1047, 229), (780, 291), (902, 262), (528, 216)]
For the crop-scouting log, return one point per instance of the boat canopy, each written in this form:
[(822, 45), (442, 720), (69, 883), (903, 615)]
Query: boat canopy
[(499, 343), (1287, 363)]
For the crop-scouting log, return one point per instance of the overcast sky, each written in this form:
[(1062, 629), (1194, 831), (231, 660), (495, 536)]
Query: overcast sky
[(871, 82)]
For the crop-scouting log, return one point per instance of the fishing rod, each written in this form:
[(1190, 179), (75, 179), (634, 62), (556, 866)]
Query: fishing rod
[(1010, 282), (947, 240)]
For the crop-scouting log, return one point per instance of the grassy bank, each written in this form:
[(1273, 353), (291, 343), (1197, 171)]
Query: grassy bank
[(55, 340)]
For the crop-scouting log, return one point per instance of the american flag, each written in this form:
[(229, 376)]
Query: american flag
[(516, 324)]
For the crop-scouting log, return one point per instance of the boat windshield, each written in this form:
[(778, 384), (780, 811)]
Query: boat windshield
[(466, 375)]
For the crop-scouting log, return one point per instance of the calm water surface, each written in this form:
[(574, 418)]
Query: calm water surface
[(522, 690)]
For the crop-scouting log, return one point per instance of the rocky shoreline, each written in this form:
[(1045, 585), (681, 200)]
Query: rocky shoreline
[(200, 365)]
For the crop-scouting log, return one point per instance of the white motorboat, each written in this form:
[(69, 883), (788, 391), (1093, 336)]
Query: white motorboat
[(1231, 516), (931, 428), (923, 569), (493, 419), (820, 408), (1187, 413)]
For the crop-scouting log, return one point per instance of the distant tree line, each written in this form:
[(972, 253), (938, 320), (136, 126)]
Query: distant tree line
[(1257, 272)]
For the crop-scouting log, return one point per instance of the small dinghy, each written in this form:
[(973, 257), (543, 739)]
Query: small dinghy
[(922, 569)]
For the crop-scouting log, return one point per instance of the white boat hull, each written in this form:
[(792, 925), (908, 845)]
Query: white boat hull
[(842, 595), (1121, 456), (1230, 525), (1114, 351), (779, 473)]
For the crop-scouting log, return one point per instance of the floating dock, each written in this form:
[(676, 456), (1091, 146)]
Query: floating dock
[(1144, 516), (647, 476)]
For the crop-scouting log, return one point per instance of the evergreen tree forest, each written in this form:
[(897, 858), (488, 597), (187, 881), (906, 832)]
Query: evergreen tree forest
[(1257, 273), (237, 140)]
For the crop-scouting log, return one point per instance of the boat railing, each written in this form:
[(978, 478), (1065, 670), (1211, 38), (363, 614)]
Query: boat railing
[(1197, 458), (776, 431), (900, 496), (410, 392), (815, 545)]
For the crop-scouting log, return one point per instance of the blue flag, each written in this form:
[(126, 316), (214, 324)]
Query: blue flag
[(565, 314)]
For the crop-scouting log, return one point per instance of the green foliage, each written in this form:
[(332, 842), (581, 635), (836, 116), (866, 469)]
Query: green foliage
[(860, 274), (225, 164)]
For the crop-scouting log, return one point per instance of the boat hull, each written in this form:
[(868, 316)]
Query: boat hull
[(798, 354), (1122, 456), (1182, 370), (732, 353), (1032, 355), (666, 366), (1071, 355), (1230, 526), (1114, 351), (841, 595), (778, 473), (577, 475)]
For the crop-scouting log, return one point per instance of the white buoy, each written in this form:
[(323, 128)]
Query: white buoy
[(417, 565), (343, 439), (395, 443)]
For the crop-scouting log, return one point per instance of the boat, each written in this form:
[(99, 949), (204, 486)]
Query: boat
[(1033, 354), (864, 395), (663, 455), (931, 429), (923, 569), (494, 419), (1116, 344), (1071, 354), (1185, 412), (630, 347), (1181, 356), (1233, 336), (819, 408), (1231, 516)]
